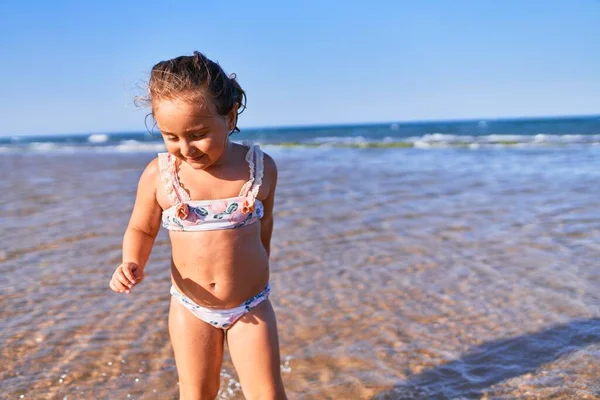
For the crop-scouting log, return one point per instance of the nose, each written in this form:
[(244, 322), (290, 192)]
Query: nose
[(186, 149)]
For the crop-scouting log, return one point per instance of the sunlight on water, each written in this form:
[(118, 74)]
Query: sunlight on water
[(396, 273)]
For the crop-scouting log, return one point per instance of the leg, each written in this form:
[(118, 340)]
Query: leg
[(198, 351), (254, 349)]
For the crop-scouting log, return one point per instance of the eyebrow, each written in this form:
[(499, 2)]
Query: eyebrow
[(193, 129)]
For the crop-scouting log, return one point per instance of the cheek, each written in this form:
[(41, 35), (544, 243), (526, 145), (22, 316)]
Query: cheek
[(172, 147), (178, 147), (211, 146)]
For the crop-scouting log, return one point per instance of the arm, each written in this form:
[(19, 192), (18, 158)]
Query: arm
[(140, 233), (145, 219), (266, 223)]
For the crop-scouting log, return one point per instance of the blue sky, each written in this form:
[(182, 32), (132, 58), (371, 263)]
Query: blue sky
[(75, 66)]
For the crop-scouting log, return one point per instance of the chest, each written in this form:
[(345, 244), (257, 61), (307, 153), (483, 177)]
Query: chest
[(218, 183)]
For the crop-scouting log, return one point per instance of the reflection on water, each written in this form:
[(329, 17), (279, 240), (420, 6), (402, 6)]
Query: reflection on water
[(396, 274)]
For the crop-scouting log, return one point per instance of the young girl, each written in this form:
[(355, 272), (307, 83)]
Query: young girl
[(216, 199)]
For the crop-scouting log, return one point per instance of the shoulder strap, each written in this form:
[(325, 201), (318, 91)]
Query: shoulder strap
[(259, 170), (254, 157), (250, 160), (168, 175)]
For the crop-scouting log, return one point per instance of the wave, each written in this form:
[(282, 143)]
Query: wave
[(440, 140), (126, 146), (98, 138), (135, 146), (103, 143)]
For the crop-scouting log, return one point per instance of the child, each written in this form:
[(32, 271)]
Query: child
[(216, 199)]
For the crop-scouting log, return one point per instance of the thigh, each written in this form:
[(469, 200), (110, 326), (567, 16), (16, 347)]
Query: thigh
[(198, 349), (254, 348)]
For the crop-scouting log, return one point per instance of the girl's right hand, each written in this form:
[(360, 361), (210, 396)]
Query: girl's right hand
[(126, 276)]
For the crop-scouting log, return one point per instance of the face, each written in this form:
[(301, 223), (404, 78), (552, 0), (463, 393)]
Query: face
[(193, 132)]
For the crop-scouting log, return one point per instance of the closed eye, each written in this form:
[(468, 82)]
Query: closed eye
[(198, 135)]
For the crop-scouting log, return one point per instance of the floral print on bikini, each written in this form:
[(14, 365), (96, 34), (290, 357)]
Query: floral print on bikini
[(203, 215)]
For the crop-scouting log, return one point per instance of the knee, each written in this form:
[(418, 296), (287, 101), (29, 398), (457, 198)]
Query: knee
[(203, 392), (267, 394)]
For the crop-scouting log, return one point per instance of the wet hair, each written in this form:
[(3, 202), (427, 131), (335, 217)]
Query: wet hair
[(196, 78)]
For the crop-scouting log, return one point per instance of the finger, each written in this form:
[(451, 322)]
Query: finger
[(121, 278), (118, 286), (121, 282), (128, 274), (139, 274)]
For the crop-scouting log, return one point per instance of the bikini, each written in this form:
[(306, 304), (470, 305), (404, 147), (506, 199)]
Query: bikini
[(187, 215)]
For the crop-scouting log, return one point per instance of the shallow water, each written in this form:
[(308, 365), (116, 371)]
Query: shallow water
[(397, 274)]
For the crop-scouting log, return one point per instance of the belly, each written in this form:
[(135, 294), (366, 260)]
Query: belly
[(219, 269)]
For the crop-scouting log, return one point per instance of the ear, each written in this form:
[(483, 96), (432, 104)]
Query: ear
[(232, 117)]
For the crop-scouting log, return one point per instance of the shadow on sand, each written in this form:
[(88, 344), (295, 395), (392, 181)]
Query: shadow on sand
[(496, 361)]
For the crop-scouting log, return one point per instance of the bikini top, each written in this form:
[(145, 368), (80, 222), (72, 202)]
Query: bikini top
[(190, 215)]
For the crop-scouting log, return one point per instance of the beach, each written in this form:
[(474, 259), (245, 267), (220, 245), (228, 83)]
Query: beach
[(455, 272)]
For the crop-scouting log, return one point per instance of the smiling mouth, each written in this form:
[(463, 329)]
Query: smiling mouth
[(196, 159)]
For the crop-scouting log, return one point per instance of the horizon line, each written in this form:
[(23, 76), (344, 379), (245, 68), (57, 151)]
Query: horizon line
[(339, 124)]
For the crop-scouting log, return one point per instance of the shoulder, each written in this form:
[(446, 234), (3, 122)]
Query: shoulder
[(269, 162), (152, 169), (269, 165), (151, 173)]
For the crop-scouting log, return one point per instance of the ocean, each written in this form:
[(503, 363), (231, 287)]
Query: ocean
[(542, 132), (425, 260)]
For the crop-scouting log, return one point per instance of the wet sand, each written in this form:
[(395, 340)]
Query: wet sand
[(396, 274)]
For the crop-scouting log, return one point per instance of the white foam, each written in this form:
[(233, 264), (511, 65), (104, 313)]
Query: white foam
[(98, 138), (135, 146), (42, 146), (421, 144)]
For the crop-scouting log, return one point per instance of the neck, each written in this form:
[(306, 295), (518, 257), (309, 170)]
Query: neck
[(227, 154)]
